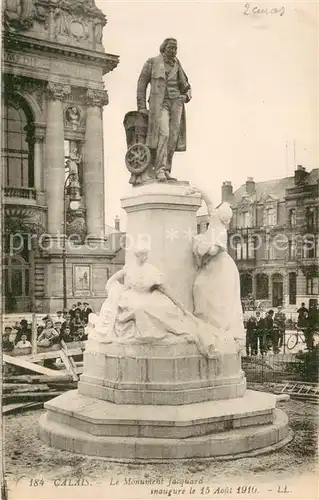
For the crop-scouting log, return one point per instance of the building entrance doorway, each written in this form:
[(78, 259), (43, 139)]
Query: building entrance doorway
[(16, 276), (246, 285), (277, 290)]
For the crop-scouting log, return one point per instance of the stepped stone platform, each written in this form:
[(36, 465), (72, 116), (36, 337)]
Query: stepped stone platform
[(162, 402)]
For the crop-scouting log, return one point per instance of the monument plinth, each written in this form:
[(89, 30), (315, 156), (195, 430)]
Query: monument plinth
[(163, 218)]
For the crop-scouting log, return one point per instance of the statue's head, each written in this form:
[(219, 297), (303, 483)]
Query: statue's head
[(169, 48), (141, 254), (225, 213)]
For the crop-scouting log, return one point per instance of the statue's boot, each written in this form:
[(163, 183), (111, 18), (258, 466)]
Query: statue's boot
[(169, 177), (160, 176)]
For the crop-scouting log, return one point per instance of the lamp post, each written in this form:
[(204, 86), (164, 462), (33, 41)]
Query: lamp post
[(64, 244), (74, 205)]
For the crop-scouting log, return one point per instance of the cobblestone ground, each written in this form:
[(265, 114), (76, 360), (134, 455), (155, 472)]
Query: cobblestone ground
[(26, 455)]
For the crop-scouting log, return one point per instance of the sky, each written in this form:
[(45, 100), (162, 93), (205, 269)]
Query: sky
[(254, 80)]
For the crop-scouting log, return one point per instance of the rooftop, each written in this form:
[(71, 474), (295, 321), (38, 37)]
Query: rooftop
[(275, 187)]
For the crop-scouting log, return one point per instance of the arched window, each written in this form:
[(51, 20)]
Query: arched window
[(309, 247), (262, 286), (237, 244), (277, 290), (292, 249), (270, 216), (244, 219), (312, 285), (17, 143), (292, 217), (16, 277), (246, 284), (310, 217), (292, 288)]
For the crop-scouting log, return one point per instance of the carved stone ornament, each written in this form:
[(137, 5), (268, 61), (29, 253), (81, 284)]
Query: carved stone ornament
[(245, 203), (17, 83), (20, 15), (97, 97), (77, 226), (73, 117), (58, 90), (72, 18)]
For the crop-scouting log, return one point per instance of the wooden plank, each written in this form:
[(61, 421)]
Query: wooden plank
[(27, 396), (26, 353), (68, 365), (34, 334), (15, 407), (36, 379), (40, 356), (78, 371), (12, 388), (68, 353), (27, 365)]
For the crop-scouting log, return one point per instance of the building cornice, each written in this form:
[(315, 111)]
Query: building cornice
[(19, 42)]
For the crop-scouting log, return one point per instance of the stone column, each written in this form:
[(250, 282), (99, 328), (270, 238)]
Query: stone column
[(163, 217), (38, 160), (93, 171), (55, 170), (253, 278)]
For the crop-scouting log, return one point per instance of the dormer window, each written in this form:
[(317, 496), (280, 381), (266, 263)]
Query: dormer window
[(310, 217), (271, 218), (244, 218), (292, 217)]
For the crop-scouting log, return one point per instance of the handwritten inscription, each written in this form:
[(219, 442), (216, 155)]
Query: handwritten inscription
[(255, 10)]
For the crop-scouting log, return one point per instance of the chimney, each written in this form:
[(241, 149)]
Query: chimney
[(117, 223), (300, 175), (250, 186), (227, 191)]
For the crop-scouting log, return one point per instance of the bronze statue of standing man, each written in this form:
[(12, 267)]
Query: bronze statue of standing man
[(169, 91)]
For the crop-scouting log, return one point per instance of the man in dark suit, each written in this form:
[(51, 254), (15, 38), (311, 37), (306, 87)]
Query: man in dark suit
[(260, 333), (72, 311), (280, 325), (251, 336), (271, 337), (85, 312)]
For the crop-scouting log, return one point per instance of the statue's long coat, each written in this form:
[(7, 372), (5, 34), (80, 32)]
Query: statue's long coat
[(153, 72)]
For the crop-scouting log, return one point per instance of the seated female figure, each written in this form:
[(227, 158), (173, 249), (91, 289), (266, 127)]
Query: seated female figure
[(141, 308)]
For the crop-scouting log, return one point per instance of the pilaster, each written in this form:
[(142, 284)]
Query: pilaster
[(93, 171), (55, 170)]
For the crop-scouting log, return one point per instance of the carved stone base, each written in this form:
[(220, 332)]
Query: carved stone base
[(160, 374)]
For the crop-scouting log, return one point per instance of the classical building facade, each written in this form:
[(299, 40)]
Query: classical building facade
[(52, 154), (274, 237)]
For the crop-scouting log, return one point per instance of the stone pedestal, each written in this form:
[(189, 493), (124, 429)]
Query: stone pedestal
[(159, 374), (160, 215), (163, 400)]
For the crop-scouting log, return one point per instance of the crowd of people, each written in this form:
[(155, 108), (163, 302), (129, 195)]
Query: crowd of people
[(265, 333), (66, 325)]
